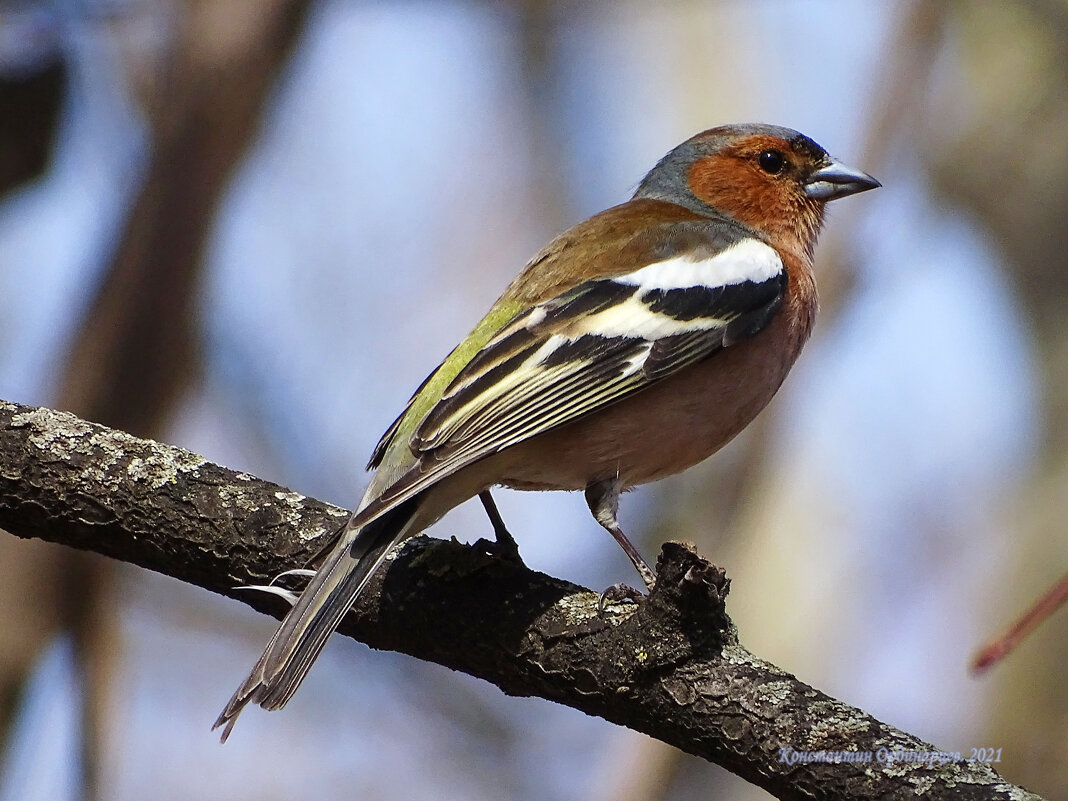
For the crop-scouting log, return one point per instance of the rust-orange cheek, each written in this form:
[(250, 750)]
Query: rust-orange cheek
[(732, 187)]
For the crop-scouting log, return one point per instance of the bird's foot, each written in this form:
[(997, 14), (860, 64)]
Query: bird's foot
[(500, 548), (618, 593), (503, 546)]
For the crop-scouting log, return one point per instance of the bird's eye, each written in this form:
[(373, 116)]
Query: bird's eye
[(771, 161)]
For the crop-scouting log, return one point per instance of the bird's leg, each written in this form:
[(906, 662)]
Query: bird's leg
[(603, 500), (505, 545)]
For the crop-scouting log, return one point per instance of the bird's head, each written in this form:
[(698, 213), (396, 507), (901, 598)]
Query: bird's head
[(773, 179)]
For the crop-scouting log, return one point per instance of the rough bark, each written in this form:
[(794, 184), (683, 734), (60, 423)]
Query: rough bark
[(670, 666)]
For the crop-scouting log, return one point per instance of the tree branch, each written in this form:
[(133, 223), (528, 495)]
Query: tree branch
[(670, 666)]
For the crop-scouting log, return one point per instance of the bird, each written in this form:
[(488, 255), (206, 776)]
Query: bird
[(634, 345)]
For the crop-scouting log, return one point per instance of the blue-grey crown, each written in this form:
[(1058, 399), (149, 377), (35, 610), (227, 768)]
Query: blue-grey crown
[(669, 179)]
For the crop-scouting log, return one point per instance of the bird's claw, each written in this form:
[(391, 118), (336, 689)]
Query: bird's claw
[(298, 571)]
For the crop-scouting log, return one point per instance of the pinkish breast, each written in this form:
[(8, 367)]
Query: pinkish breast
[(677, 423)]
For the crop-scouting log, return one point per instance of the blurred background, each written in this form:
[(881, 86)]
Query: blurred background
[(251, 229)]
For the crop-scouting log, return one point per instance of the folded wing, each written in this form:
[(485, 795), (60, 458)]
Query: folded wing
[(592, 346)]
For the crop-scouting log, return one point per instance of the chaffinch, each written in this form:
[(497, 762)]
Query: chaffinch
[(636, 344)]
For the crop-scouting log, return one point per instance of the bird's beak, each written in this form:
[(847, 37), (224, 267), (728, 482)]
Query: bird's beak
[(834, 180)]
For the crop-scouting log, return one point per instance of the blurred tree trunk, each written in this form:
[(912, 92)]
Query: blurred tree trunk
[(134, 354), (1008, 164), (31, 100), (31, 96)]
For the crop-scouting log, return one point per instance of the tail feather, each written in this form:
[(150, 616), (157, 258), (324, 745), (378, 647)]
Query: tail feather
[(318, 612)]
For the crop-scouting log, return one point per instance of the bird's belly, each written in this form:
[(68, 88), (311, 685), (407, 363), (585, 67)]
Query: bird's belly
[(658, 431)]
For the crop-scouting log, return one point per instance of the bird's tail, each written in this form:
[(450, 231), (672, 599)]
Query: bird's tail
[(318, 611)]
